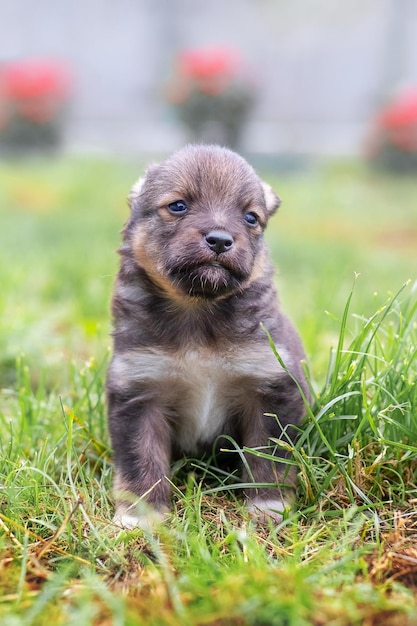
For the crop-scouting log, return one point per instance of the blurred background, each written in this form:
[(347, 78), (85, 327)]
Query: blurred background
[(319, 95), (316, 72)]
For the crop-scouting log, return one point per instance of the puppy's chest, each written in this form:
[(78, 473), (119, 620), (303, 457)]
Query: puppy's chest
[(201, 387), (203, 391)]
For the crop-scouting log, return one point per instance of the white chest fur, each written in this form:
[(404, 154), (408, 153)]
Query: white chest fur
[(201, 385)]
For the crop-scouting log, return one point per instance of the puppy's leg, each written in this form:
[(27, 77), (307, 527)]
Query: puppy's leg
[(270, 502), (141, 441)]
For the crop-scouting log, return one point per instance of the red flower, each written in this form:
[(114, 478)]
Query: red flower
[(30, 79), (208, 71), (208, 63), (33, 89), (401, 112)]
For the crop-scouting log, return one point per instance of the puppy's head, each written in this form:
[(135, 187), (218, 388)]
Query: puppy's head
[(197, 222)]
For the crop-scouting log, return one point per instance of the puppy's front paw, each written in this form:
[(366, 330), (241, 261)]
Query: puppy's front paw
[(146, 520), (128, 522), (264, 510)]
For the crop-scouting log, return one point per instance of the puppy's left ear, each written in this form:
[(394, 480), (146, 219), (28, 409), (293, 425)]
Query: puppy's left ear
[(272, 201)]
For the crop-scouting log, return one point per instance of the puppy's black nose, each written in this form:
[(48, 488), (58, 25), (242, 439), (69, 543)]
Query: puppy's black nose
[(219, 241)]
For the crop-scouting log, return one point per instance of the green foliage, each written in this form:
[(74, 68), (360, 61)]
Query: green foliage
[(345, 555)]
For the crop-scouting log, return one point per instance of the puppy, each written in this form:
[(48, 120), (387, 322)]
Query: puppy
[(192, 360)]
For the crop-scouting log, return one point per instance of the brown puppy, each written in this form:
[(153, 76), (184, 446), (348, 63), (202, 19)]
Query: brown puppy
[(191, 359)]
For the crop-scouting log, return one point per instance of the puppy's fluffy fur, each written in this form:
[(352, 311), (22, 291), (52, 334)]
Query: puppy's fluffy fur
[(191, 360)]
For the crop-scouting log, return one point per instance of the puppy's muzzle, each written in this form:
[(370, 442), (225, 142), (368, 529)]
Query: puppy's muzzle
[(219, 241)]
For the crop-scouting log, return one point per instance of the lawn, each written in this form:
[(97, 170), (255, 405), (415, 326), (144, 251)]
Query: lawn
[(344, 243)]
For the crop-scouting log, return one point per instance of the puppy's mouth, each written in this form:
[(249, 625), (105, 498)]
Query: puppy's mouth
[(208, 280)]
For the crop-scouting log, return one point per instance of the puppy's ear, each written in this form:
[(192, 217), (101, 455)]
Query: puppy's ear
[(272, 201), (135, 191)]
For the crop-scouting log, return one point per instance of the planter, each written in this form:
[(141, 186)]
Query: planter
[(33, 103), (392, 143), (212, 96)]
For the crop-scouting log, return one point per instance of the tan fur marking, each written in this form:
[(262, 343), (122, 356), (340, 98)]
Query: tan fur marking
[(146, 261)]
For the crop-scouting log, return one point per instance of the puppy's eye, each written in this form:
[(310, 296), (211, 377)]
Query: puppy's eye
[(251, 219), (177, 208)]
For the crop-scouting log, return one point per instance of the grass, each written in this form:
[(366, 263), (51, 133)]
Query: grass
[(345, 247)]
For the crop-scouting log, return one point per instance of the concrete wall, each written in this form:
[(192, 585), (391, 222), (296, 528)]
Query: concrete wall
[(322, 66)]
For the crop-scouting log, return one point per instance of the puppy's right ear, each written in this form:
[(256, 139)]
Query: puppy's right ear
[(135, 191), (272, 201), (149, 176)]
